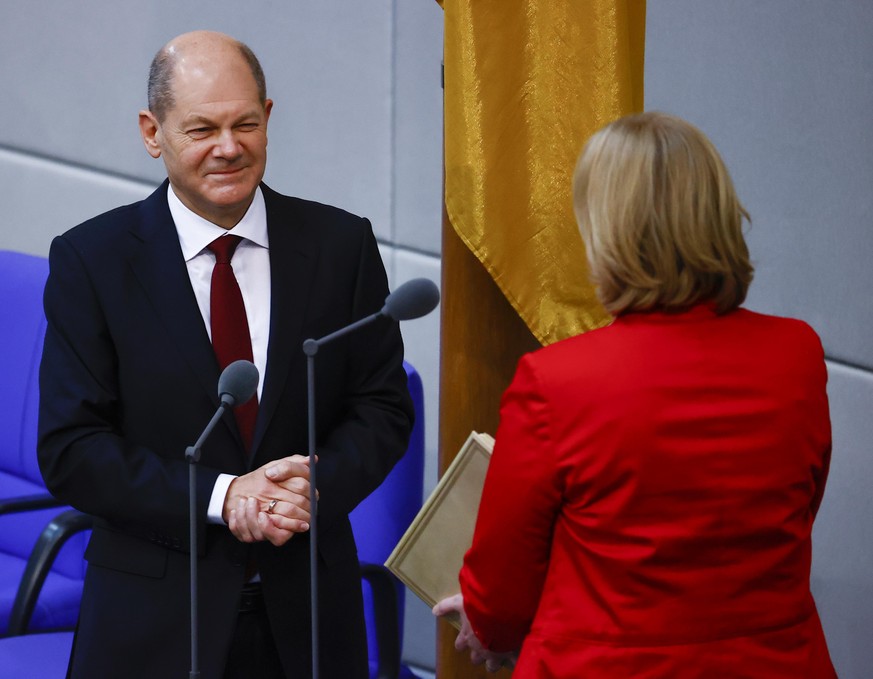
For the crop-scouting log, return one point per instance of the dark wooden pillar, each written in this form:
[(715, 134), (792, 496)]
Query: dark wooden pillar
[(481, 340)]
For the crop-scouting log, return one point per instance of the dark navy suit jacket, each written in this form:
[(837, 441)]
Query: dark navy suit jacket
[(128, 381)]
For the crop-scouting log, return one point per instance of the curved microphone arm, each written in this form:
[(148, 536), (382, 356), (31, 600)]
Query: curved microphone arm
[(413, 299)]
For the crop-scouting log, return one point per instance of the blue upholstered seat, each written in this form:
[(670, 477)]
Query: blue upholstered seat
[(380, 521), (22, 327)]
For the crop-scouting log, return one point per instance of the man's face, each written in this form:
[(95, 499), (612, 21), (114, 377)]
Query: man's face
[(214, 138)]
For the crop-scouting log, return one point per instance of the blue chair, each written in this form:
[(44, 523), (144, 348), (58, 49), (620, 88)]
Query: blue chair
[(40, 655), (378, 523), (25, 505)]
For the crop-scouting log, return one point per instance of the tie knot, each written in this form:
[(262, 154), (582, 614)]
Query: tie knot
[(224, 247)]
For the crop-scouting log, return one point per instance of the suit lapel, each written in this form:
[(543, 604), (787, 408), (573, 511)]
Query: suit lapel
[(161, 270), (292, 264)]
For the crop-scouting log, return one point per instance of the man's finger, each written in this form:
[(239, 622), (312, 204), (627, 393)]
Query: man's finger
[(276, 535), (288, 467), (253, 512), (288, 524), (237, 526), (295, 507)]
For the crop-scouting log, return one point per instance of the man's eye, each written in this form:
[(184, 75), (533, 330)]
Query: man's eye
[(198, 131), (247, 127)]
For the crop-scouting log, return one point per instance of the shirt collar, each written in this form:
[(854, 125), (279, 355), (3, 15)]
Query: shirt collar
[(195, 232)]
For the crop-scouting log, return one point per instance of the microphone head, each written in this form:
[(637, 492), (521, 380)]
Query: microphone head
[(413, 299), (238, 383)]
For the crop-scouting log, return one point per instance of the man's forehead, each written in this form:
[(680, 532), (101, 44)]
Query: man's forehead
[(198, 66), (214, 80)]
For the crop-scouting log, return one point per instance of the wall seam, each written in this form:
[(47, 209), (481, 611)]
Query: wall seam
[(392, 179), (850, 365), (29, 154)]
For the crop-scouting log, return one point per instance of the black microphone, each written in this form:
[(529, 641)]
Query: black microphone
[(237, 383), (414, 299)]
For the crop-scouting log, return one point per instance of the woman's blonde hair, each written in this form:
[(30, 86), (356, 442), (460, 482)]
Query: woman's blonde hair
[(661, 221)]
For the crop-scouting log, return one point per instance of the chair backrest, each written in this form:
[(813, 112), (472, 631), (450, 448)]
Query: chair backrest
[(22, 330), (381, 519)]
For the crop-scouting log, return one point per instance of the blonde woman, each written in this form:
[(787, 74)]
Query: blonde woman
[(651, 495)]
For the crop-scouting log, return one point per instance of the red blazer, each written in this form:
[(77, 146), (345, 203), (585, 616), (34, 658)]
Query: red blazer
[(650, 500)]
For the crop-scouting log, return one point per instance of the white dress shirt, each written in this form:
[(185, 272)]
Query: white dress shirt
[(251, 266)]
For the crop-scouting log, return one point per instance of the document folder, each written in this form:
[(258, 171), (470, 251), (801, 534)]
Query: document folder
[(430, 554)]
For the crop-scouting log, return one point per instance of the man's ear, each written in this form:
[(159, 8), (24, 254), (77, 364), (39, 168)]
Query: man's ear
[(268, 107), (148, 128)]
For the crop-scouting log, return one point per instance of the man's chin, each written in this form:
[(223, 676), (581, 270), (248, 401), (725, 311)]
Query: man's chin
[(231, 196), (224, 208)]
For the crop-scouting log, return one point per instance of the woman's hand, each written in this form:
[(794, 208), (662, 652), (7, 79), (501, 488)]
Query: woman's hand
[(467, 638)]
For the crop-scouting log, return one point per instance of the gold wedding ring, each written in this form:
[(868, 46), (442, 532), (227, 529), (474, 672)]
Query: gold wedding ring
[(272, 506)]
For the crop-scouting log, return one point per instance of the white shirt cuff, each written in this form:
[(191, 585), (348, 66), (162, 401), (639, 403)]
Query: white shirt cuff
[(216, 502)]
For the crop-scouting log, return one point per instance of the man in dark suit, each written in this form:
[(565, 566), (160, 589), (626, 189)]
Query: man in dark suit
[(128, 381)]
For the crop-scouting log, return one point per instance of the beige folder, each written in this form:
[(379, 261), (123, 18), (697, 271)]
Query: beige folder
[(430, 554)]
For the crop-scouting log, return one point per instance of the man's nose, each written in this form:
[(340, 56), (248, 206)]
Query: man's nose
[(227, 145)]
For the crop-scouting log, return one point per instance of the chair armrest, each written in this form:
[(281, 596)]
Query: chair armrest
[(384, 589), (27, 503), (53, 536)]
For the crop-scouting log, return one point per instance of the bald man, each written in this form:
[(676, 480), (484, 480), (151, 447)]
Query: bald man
[(128, 380)]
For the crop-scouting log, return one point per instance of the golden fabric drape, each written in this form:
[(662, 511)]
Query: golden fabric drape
[(526, 83)]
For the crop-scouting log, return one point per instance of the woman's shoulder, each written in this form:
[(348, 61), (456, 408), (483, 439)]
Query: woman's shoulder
[(570, 357), (638, 337), (781, 328)]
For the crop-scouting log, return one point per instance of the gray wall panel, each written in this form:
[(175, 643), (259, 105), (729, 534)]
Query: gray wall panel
[(784, 88), (44, 198), (418, 139), (843, 533), (73, 82), (76, 81)]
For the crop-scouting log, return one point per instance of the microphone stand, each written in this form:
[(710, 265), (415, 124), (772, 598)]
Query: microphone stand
[(415, 298), (236, 384), (310, 348), (192, 454)]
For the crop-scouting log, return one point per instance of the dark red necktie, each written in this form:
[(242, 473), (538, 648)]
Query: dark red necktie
[(231, 339)]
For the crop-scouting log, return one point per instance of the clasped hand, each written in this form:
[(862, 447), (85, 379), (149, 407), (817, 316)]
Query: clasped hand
[(249, 497)]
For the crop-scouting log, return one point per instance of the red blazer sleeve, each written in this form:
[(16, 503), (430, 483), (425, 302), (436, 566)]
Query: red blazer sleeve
[(820, 419), (504, 570)]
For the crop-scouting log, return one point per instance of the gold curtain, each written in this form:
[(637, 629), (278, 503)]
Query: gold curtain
[(526, 83)]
